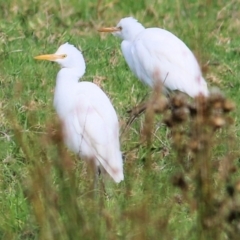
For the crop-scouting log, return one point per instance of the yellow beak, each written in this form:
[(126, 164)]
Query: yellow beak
[(50, 57), (109, 29)]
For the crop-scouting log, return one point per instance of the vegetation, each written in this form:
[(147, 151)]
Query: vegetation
[(181, 164)]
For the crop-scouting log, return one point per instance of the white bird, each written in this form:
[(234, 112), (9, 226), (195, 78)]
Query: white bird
[(157, 56), (90, 123)]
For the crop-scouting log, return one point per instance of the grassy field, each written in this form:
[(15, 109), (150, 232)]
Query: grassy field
[(171, 190)]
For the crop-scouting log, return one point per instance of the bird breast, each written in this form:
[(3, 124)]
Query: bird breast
[(64, 100)]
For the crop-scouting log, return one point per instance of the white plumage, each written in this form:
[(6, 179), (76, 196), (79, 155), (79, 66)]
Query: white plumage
[(155, 55), (90, 124)]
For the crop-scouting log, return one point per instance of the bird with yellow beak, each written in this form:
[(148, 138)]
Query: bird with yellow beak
[(90, 123)]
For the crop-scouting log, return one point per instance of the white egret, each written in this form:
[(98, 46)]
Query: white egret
[(157, 56), (90, 123)]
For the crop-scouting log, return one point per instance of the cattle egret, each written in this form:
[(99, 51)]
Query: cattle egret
[(90, 124), (157, 56)]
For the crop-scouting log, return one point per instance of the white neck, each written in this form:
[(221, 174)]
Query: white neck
[(66, 87), (67, 75)]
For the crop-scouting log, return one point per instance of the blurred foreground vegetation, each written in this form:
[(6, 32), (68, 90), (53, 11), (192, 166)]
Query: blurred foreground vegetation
[(181, 165)]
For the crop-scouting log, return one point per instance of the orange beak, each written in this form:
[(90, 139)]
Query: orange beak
[(109, 29), (50, 57)]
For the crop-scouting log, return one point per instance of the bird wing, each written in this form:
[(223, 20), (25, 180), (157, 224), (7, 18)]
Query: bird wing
[(96, 121), (157, 53), (95, 108)]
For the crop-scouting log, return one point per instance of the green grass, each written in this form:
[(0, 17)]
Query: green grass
[(45, 190)]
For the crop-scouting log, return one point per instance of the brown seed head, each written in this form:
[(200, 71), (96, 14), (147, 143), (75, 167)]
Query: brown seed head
[(180, 114), (178, 100), (218, 121), (160, 105), (228, 105)]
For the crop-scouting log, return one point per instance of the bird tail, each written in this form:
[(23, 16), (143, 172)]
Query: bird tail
[(199, 88), (113, 165), (204, 88)]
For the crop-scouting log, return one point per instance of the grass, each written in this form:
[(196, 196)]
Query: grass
[(45, 190)]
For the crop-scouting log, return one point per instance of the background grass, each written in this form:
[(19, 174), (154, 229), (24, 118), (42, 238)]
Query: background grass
[(45, 190)]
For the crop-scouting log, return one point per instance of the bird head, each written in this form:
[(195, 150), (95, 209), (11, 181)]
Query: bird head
[(67, 56), (127, 29)]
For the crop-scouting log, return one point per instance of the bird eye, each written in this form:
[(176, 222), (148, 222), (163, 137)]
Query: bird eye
[(120, 28), (64, 55)]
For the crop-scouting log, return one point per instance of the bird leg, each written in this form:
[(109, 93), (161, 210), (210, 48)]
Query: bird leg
[(136, 112), (96, 180), (102, 180), (93, 182)]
